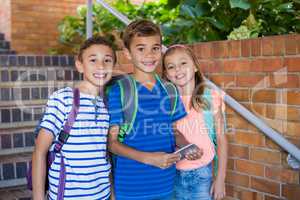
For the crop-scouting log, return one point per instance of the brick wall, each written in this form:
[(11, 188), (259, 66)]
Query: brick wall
[(264, 75), (33, 24)]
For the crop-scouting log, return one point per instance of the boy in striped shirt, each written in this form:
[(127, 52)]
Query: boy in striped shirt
[(84, 153)]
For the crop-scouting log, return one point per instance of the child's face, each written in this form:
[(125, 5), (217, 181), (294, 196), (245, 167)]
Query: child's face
[(96, 65), (145, 52), (179, 68)]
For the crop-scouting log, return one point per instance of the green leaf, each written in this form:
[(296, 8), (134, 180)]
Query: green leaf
[(215, 23), (186, 10), (286, 7), (243, 4)]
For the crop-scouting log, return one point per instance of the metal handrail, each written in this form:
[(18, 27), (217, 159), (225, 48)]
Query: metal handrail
[(262, 126)]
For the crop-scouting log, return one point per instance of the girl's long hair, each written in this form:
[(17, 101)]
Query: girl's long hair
[(197, 100)]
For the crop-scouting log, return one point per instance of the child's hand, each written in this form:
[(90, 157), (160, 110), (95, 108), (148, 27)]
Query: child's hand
[(218, 189), (194, 154), (161, 159)]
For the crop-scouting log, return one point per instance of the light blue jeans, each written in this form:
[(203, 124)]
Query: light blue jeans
[(194, 184)]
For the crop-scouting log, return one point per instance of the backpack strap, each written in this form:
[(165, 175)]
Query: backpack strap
[(129, 102), (172, 92), (210, 124), (62, 139), (64, 134)]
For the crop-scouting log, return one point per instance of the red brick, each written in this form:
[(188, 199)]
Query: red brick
[(272, 64), (206, 66), (292, 64), (291, 191), (282, 175), (216, 66), (237, 122), (283, 112), (284, 81), (293, 98), (237, 179), (238, 151), (259, 110), (247, 138), (256, 65), (246, 48), (250, 168), (290, 45), (279, 46), (265, 156), (265, 96), (256, 47), (293, 129), (220, 49), (234, 49), (224, 81), (250, 81), (237, 65), (204, 50), (265, 186), (239, 94), (267, 46), (247, 195)]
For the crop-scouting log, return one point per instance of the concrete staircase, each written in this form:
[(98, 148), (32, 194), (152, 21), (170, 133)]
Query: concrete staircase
[(26, 83)]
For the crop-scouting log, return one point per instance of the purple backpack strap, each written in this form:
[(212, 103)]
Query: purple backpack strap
[(62, 138)]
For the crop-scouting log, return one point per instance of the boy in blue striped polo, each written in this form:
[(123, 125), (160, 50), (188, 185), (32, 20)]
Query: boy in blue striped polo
[(143, 166), (86, 168)]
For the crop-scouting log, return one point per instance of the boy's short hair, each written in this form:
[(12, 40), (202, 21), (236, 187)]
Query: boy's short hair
[(96, 40), (138, 28)]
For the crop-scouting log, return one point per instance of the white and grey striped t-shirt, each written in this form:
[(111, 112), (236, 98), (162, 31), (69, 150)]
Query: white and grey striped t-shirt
[(86, 164)]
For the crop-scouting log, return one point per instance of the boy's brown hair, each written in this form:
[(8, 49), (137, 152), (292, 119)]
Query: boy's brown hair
[(139, 28), (96, 40)]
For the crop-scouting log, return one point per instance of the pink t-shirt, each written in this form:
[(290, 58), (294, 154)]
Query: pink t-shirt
[(194, 129)]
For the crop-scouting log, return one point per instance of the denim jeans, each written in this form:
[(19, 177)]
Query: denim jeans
[(194, 184)]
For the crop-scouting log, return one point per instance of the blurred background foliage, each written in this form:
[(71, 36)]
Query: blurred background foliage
[(187, 21)]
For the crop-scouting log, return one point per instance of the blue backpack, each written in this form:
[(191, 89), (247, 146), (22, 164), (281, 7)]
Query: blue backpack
[(129, 100), (210, 124)]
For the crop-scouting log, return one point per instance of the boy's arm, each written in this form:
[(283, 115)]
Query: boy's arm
[(159, 159), (39, 162)]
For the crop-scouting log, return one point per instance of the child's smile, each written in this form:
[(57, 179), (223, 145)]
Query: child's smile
[(96, 65), (145, 52)]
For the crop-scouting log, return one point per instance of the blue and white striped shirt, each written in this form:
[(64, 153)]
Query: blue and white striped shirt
[(86, 164)]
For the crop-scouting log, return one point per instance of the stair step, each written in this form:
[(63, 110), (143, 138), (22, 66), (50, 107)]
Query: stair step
[(4, 44), (7, 52)]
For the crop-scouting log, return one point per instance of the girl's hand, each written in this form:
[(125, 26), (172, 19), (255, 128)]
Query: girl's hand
[(218, 189), (194, 154), (161, 159)]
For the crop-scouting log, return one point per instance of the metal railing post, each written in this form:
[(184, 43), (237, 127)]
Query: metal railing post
[(89, 19)]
